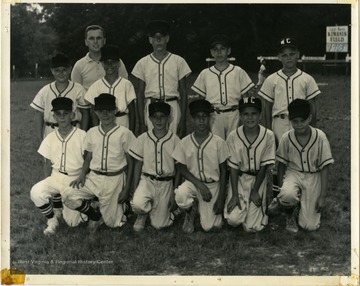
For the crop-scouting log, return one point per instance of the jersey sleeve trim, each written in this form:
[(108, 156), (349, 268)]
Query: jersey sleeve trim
[(199, 91), (37, 107), (136, 156), (265, 96)]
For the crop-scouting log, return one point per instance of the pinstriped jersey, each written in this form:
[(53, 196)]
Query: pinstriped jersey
[(155, 153), (250, 157), (310, 158), (223, 88), (281, 90), (122, 89), (202, 160), (161, 77), (108, 149), (65, 154), (42, 100)]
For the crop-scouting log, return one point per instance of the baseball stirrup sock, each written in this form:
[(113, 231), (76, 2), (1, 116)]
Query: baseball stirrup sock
[(87, 209), (47, 210), (57, 203), (275, 186)]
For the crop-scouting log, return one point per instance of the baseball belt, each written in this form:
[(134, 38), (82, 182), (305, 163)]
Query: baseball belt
[(282, 116), (248, 173), (219, 110), (158, 178), (53, 125), (109, 174), (119, 114), (153, 99)]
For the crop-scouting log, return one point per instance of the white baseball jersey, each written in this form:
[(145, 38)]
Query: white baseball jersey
[(122, 89), (161, 77), (65, 154), (310, 158), (155, 153), (43, 99), (202, 160), (281, 90), (108, 149), (86, 71), (223, 88)]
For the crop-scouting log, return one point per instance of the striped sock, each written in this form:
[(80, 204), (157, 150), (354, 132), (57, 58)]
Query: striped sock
[(47, 210), (57, 203), (275, 186), (87, 209)]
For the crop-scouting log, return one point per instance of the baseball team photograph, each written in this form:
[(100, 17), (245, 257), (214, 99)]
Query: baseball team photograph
[(180, 144)]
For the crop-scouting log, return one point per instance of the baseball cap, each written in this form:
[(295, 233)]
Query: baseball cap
[(105, 101), (158, 26), (60, 60), (250, 102), (110, 52), (200, 105), (62, 103), (299, 108), (162, 107), (287, 43), (219, 39)]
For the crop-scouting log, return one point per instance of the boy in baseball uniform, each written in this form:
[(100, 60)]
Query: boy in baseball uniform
[(304, 158), (63, 153), (155, 171), (116, 85), (201, 157), (61, 87), (252, 150), (162, 77), (105, 170), (223, 85), (282, 87)]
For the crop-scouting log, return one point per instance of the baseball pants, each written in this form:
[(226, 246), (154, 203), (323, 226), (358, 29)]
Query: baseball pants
[(107, 189), (304, 188), (185, 195), (225, 122), (252, 218), (174, 118), (280, 126), (55, 184), (123, 121), (152, 197)]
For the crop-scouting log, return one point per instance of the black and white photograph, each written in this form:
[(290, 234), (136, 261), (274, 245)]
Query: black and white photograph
[(180, 143)]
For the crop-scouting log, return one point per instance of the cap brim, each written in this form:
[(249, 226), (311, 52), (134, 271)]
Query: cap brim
[(104, 107)]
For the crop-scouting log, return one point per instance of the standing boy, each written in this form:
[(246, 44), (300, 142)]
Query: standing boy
[(155, 170), (116, 85), (304, 158), (201, 157), (111, 169), (162, 77), (61, 87), (252, 150), (88, 69), (223, 85), (63, 153)]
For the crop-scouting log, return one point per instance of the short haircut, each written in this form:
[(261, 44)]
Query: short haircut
[(94, 27)]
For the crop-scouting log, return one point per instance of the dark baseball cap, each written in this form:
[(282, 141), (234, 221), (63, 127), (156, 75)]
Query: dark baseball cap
[(62, 103), (105, 101), (287, 43), (110, 52), (299, 108), (158, 26), (60, 60), (162, 107), (250, 102), (200, 105), (220, 39)]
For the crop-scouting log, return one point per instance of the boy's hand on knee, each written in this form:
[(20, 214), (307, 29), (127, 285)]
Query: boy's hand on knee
[(255, 198), (320, 203), (219, 206), (78, 183), (234, 201), (205, 192)]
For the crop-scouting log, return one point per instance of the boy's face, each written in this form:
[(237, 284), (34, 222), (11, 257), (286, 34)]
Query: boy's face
[(288, 57), (220, 53), (95, 40), (159, 42), (250, 116), (111, 67), (201, 121), (105, 116), (159, 120), (63, 117), (300, 124), (61, 74)]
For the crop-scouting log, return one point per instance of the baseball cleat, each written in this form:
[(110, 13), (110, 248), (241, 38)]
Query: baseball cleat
[(58, 212), (291, 224), (188, 226), (274, 207), (52, 224), (139, 224), (94, 224)]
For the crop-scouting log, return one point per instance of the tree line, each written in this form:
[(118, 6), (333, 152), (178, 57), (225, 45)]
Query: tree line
[(39, 31)]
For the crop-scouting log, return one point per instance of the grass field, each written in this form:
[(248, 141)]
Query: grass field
[(170, 252)]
